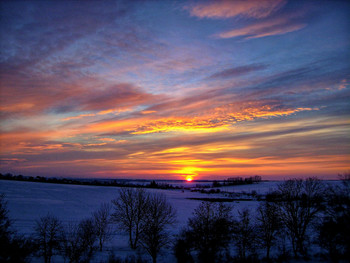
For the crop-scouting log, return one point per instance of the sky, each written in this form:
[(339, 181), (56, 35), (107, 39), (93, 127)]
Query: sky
[(175, 89)]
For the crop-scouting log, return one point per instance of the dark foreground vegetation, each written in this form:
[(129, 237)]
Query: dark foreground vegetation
[(299, 216)]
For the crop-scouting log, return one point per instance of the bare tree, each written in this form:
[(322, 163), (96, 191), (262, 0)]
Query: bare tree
[(102, 224), (79, 241), (334, 229), (88, 237), (268, 225), (48, 236), (5, 221), (159, 215), (13, 247), (301, 201), (244, 235), (5, 230), (129, 212), (72, 248), (209, 230)]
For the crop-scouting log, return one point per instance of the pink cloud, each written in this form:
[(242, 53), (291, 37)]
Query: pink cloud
[(122, 94), (227, 9), (32, 95), (267, 28)]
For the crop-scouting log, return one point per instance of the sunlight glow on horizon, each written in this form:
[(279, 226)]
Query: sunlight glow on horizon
[(189, 178)]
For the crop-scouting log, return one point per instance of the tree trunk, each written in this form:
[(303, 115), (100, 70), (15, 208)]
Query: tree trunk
[(268, 253), (132, 244), (295, 249), (300, 247)]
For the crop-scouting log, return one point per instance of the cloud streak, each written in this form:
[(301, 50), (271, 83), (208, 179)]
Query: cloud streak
[(265, 20), (229, 9), (237, 71), (263, 29)]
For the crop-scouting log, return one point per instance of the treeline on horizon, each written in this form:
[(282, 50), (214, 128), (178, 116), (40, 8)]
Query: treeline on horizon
[(301, 215), (121, 183)]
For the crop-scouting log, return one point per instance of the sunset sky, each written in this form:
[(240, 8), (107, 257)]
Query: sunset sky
[(170, 89)]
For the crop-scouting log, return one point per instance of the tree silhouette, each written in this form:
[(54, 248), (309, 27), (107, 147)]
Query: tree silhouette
[(334, 230), (268, 225), (48, 236), (79, 241), (129, 212), (13, 248), (159, 216), (102, 224), (244, 235), (209, 230), (301, 202)]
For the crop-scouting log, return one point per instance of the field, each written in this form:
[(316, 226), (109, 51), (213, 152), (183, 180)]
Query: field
[(29, 201)]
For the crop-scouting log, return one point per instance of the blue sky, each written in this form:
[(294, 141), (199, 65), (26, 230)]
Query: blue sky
[(171, 89)]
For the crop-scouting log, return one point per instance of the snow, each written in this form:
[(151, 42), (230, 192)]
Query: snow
[(260, 188), (28, 201)]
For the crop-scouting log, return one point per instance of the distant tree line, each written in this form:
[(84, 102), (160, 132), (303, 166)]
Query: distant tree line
[(116, 183), (299, 215), (93, 182), (238, 181)]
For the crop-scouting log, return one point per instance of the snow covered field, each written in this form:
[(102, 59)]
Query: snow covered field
[(28, 201)]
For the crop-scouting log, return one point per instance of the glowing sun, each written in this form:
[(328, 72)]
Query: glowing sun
[(189, 178)]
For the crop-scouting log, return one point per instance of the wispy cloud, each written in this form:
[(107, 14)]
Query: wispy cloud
[(79, 116), (227, 9), (60, 97), (264, 20), (211, 119), (237, 71), (263, 29)]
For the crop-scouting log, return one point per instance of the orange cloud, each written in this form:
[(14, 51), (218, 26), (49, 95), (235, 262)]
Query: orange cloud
[(34, 141), (104, 112), (107, 139), (113, 126), (250, 111), (16, 107), (215, 120), (79, 117), (179, 124), (147, 111)]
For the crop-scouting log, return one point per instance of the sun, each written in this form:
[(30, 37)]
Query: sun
[(188, 173), (189, 178)]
